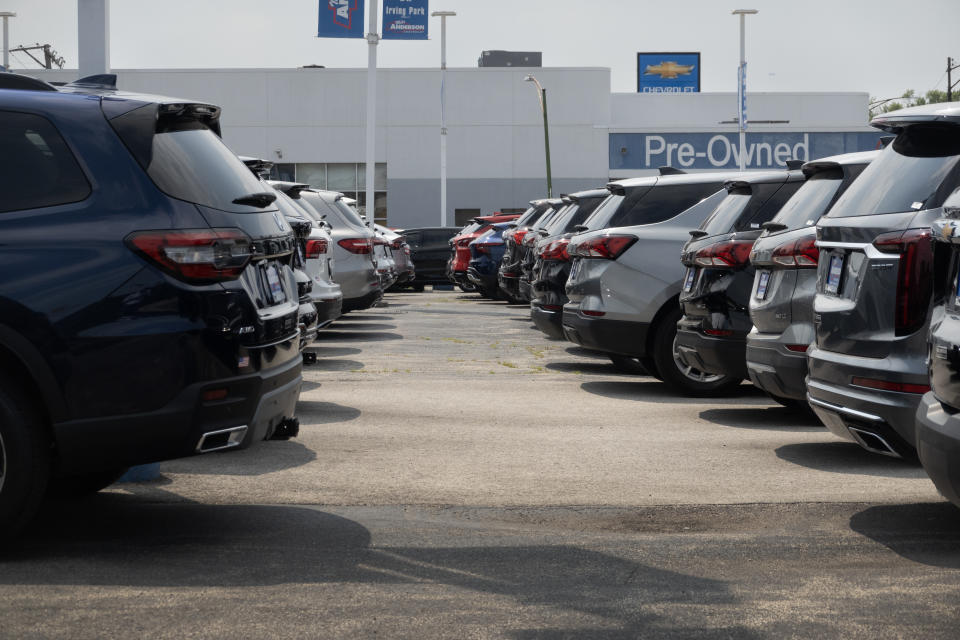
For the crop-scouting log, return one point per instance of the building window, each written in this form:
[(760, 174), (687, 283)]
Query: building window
[(349, 178), (511, 211), (462, 217)]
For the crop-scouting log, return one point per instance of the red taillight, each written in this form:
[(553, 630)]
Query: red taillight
[(886, 385), (608, 247), (357, 245), (196, 254), (377, 240), (802, 254), (914, 276), (798, 348), (517, 235), (397, 243), (720, 333), (406, 250), (485, 247), (595, 314), (726, 254), (552, 307), (315, 248), (556, 250)]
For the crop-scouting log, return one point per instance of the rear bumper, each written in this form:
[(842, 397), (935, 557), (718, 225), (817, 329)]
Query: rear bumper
[(547, 321), (889, 415), (485, 281), (775, 370), (525, 290), (363, 302), (259, 401), (722, 356), (510, 285), (938, 445), (614, 336), (328, 310)]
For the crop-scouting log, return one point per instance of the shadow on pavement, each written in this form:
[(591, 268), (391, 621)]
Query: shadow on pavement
[(266, 457), (315, 412), (587, 353), (647, 389), (363, 315), (928, 533), (356, 336), (115, 540), (334, 364), (327, 352), (776, 418), (590, 368), (354, 326), (847, 457)]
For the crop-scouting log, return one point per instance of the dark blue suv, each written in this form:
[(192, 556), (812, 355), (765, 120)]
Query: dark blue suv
[(148, 310)]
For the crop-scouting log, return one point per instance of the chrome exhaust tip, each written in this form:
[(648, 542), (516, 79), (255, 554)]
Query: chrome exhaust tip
[(222, 439), (873, 442)]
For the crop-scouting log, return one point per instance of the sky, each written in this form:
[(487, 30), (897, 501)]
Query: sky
[(877, 46)]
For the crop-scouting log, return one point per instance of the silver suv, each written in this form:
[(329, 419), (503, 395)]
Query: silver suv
[(785, 258), (625, 274), (875, 281)]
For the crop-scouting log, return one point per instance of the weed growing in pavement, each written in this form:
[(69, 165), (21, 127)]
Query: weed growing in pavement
[(457, 340), (537, 353), (422, 338), (507, 364)]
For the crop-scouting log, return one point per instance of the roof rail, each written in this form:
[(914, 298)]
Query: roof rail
[(670, 171), (23, 83)]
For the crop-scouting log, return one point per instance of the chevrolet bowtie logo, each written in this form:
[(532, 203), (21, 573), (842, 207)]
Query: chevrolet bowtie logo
[(668, 70)]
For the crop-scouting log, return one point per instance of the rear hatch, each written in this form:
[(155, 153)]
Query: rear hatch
[(785, 255), (718, 278), (179, 147), (513, 239), (876, 273)]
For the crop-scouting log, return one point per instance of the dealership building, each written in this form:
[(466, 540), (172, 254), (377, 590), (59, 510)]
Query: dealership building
[(311, 123)]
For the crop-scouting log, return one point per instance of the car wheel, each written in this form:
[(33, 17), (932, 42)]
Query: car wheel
[(685, 379), (467, 288), (24, 459), (78, 486), (633, 365)]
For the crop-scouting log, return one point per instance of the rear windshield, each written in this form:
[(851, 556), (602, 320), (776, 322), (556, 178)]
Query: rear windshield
[(552, 216), (602, 212), (916, 172), (470, 228), (811, 200), (559, 221), (748, 208), (660, 203), (349, 214), (194, 165), (534, 217)]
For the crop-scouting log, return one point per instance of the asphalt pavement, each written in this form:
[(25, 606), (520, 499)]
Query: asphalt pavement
[(458, 475)]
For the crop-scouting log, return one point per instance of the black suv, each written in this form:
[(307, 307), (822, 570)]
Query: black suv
[(147, 306)]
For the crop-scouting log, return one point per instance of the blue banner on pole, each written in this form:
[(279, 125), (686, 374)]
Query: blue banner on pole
[(405, 19), (742, 94), (340, 19)]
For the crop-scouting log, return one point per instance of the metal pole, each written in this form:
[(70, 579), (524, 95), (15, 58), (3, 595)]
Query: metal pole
[(949, 69), (546, 141), (743, 100), (443, 121), (6, 38), (372, 39)]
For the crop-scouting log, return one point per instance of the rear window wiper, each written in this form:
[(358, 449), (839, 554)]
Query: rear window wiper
[(261, 199)]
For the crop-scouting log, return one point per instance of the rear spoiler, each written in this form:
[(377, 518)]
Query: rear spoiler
[(102, 81), (292, 189)]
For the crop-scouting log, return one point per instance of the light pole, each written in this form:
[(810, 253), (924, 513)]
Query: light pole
[(443, 113), (6, 15), (542, 95), (373, 38), (742, 85)]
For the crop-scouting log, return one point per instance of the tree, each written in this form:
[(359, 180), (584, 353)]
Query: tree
[(908, 98)]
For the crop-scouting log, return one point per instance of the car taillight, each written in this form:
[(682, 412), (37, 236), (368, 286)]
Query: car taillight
[(886, 385), (802, 254), (315, 248), (914, 276), (357, 245), (484, 247), (377, 240), (556, 250), (406, 250), (608, 247), (397, 243), (529, 239), (195, 254), (726, 254), (517, 235)]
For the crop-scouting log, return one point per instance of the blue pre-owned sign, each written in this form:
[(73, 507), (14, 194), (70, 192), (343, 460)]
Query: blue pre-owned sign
[(340, 19), (722, 150), (405, 19), (668, 72)]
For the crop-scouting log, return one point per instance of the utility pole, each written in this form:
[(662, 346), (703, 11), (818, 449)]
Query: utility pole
[(950, 67), (50, 57), (6, 15)]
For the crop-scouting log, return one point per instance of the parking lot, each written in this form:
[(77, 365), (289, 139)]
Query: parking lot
[(459, 475)]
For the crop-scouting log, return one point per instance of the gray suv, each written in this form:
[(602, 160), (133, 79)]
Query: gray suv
[(785, 257), (625, 274), (875, 282)]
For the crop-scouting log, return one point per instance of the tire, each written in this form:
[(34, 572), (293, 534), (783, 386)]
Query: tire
[(69, 487), (467, 288), (24, 458), (418, 287), (686, 380), (630, 364)]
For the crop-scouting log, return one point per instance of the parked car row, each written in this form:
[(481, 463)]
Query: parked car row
[(157, 292), (831, 285)]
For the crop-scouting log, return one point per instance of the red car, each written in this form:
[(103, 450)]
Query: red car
[(460, 247)]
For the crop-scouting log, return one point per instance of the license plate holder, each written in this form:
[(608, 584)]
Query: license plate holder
[(688, 279), (274, 286), (834, 275), (763, 280)]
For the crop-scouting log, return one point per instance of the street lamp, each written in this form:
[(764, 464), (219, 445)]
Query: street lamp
[(742, 86), (6, 15), (542, 96), (443, 15)]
